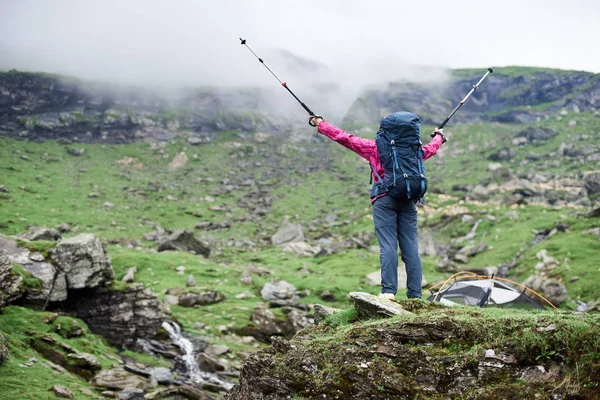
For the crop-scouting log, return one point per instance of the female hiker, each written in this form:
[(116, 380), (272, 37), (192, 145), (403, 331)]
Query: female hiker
[(394, 195)]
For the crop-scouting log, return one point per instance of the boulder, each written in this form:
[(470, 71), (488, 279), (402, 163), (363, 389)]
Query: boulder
[(321, 312), (288, 233), (184, 241), (84, 261), (427, 246), (278, 290), (121, 316), (162, 375), (10, 283), (554, 291), (62, 392), (119, 379), (592, 184), (479, 193), (504, 154), (41, 233), (130, 275), (192, 299), (369, 306), (178, 161), (536, 134), (301, 249), (131, 394)]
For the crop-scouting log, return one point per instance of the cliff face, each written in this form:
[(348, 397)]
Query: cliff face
[(510, 94), (43, 106)]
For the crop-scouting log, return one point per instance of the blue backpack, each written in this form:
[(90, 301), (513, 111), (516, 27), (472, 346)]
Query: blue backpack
[(399, 145)]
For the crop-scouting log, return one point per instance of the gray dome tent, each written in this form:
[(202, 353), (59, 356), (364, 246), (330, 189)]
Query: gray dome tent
[(470, 289)]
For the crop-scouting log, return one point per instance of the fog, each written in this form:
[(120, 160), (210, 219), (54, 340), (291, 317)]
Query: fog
[(352, 43)]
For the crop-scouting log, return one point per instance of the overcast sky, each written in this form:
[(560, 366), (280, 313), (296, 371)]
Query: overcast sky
[(196, 42)]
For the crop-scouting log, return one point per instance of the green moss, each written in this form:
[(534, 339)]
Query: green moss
[(29, 281)]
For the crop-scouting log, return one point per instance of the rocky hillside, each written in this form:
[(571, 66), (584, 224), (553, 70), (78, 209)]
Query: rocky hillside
[(511, 94), (153, 247)]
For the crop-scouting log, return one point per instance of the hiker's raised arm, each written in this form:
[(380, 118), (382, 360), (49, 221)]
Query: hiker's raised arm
[(362, 147), (431, 148)]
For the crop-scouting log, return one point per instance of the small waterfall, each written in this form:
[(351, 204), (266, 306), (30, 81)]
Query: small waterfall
[(194, 373)]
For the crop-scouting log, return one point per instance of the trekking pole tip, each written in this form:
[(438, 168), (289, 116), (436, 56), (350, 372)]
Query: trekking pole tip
[(243, 41), (491, 70)]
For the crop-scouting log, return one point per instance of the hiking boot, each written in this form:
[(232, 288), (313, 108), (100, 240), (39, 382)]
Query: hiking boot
[(387, 296)]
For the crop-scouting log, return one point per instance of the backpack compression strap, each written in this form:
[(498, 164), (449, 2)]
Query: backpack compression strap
[(399, 166), (421, 172)]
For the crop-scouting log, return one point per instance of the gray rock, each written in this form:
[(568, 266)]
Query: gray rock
[(62, 392), (118, 379), (192, 299), (162, 375), (41, 233), (278, 290), (427, 246), (288, 233), (479, 193), (266, 322), (121, 316), (130, 275), (53, 282), (537, 134), (172, 300), (301, 249), (208, 363), (217, 349), (131, 394), (592, 184), (369, 306), (321, 312), (84, 261), (190, 281), (504, 154), (554, 291), (10, 283), (184, 241)]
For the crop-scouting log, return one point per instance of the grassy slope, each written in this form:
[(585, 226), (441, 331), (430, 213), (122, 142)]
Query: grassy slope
[(55, 189)]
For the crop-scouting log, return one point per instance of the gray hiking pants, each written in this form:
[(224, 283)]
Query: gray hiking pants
[(396, 224)]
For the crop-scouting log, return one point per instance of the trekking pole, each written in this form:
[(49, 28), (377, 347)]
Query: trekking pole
[(308, 110), (475, 86)]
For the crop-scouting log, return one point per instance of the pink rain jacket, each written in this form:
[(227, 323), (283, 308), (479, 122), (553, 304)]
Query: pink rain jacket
[(367, 149)]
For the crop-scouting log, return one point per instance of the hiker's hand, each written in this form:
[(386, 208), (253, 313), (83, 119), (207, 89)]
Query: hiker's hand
[(315, 121), (441, 133)]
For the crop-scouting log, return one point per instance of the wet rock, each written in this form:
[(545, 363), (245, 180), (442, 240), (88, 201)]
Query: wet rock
[(208, 363), (62, 392), (288, 233), (278, 290), (184, 241), (10, 283), (122, 317), (369, 306), (162, 375), (84, 261)]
